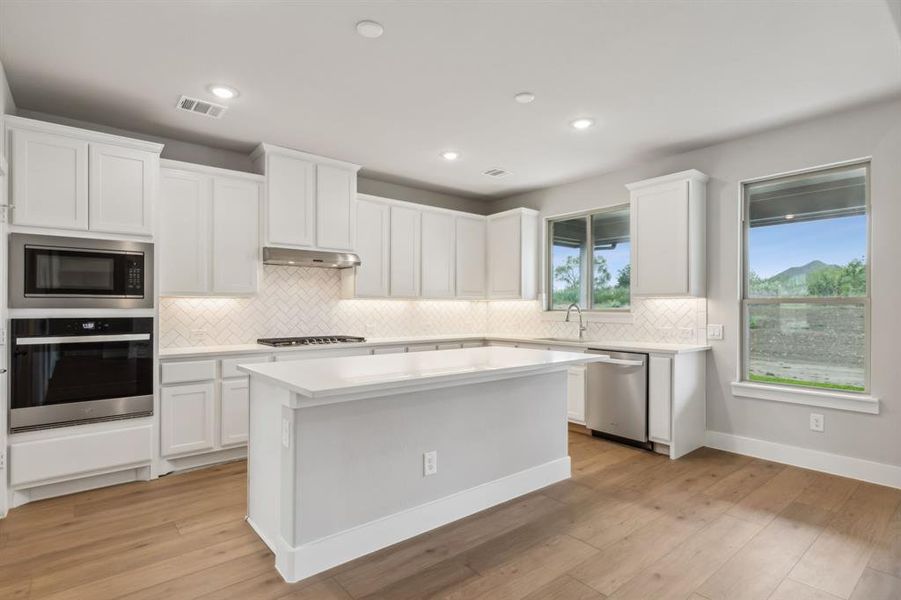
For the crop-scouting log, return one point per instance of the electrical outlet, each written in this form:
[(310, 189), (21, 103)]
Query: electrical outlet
[(2, 460), (430, 463), (817, 422), (2, 336), (714, 332)]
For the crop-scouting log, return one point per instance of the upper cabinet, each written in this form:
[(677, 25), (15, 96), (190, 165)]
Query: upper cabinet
[(371, 278), (310, 200), (410, 250), (74, 179), (209, 231), (405, 251), (438, 260), (513, 254), (470, 256), (669, 224)]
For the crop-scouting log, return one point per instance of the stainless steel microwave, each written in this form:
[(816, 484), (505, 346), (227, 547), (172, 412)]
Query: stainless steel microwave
[(46, 271)]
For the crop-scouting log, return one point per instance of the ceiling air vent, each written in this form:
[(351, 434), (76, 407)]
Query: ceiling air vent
[(201, 107), (497, 173)]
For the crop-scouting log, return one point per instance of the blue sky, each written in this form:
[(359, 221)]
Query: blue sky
[(774, 248)]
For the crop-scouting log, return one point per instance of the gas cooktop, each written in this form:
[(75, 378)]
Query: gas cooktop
[(310, 340)]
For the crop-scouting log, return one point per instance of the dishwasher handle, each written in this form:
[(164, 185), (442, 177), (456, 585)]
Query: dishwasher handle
[(623, 362)]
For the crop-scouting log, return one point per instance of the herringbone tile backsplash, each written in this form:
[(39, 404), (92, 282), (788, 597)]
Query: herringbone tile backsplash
[(302, 301)]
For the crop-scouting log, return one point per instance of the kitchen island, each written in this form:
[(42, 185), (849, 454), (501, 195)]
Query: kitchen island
[(349, 455)]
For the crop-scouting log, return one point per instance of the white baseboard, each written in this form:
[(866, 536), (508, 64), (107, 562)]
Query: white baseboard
[(314, 557), (835, 464)]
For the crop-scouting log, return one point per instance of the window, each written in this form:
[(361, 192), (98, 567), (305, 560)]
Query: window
[(806, 280), (593, 275)]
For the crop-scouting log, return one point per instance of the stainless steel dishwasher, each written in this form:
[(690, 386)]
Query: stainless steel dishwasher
[(617, 398)]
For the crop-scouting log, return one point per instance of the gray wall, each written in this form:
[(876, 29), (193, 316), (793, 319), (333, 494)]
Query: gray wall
[(873, 131), (228, 159)]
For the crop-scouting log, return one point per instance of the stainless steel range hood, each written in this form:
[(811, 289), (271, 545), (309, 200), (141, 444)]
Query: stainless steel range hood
[(309, 258)]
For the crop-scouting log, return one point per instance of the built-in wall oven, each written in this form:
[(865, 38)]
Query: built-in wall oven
[(48, 271), (67, 371)]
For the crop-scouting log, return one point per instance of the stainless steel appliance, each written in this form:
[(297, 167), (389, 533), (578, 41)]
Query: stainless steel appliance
[(48, 271), (67, 371), (617, 397), (310, 340), (309, 258)]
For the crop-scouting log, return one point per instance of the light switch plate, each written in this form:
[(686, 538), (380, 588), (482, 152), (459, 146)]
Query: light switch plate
[(714, 332)]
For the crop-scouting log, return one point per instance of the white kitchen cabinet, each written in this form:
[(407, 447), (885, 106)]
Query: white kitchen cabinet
[(513, 254), (74, 179), (234, 395), (290, 200), (470, 256), (121, 189), (235, 248), (309, 200), (187, 418), (438, 255), (660, 398), (209, 231), (370, 279), (336, 197), (677, 401), (405, 253), (49, 180), (668, 222), (575, 394), (183, 244)]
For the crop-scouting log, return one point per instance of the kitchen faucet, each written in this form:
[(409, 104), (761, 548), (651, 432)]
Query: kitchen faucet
[(582, 326)]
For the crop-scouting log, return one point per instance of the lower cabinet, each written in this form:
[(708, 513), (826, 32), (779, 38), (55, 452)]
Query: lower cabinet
[(660, 398), (575, 395), (677, 401), (234, 395), (187, 418)]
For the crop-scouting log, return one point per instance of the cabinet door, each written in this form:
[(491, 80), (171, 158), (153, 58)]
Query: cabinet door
[(660, 398), (405, 252), (187, 418), (290, 201), (49, 180), (336, 192), (372, 246), (660, 240), (575, 394), (184, 242), (235, 227), (233, 397), (438, 255), (504, 256), (121, 189), (470, 257)]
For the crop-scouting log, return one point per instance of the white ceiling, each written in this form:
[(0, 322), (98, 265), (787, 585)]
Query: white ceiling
[(657, 76)]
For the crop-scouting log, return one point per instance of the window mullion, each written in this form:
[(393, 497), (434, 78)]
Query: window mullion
[(589, 280)]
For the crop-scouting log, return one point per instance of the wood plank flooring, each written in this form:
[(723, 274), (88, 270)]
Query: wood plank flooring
[(628, 525)]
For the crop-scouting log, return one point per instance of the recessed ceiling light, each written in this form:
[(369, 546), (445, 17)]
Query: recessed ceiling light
[(370, 29), (524, 97), (789, 217), (223, 91), (450, 155), (582, 123)]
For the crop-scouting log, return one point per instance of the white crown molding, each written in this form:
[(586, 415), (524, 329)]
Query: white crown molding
[(265, 148), (690, 174), (178, 165), (16, 122)]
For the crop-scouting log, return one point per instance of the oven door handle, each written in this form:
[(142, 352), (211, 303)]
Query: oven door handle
[(82, 339)]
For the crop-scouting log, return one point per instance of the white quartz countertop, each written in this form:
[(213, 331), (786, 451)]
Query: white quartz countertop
[(339, 376), (616, 345)]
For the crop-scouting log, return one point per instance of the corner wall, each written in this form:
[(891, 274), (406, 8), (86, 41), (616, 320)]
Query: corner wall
[(870, 131)]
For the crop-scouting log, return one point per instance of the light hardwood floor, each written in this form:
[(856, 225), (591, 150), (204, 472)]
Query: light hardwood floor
[(629, 524)]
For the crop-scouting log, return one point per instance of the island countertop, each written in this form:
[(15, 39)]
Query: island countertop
[(373, 375)]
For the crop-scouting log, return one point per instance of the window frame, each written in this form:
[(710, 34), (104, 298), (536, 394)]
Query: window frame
[(858, 401), (548, 308)]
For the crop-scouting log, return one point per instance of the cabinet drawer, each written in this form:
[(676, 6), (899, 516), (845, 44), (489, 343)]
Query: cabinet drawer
[(68, 457), (422, 348), (450, 346), (230, 365), (389, 350), (323, 353), (194, 370), (475, 344)]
